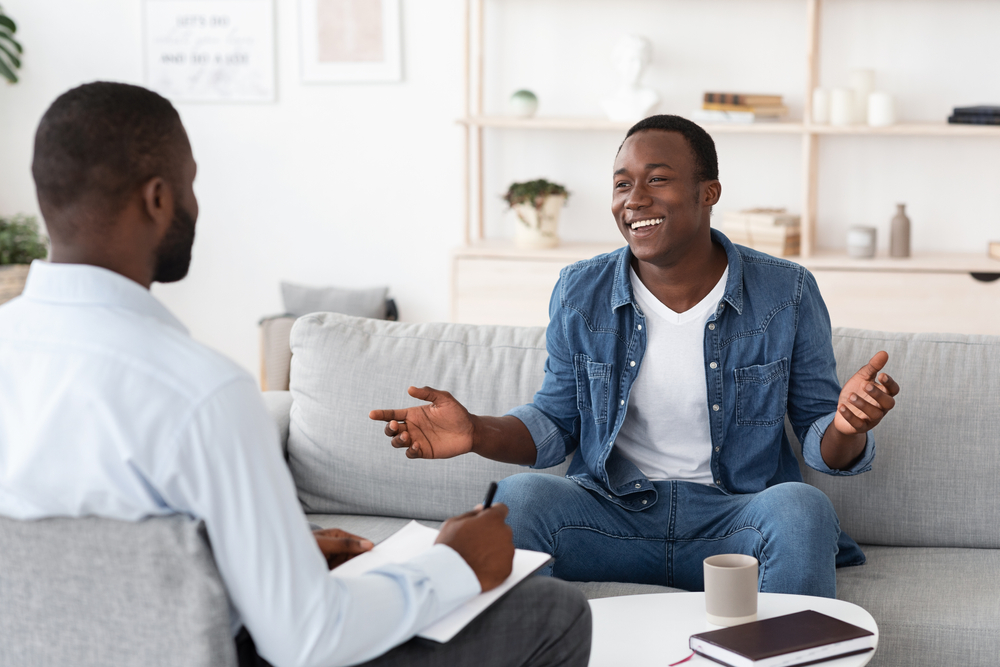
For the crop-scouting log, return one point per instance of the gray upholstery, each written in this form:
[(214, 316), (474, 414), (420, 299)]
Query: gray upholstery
[(927, 515), (343, 367), (301, 300), (279, 405), (102, 592), (933, 606), (934, 482)]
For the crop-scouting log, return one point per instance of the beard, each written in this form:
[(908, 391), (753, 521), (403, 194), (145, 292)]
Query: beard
[(173, 256)]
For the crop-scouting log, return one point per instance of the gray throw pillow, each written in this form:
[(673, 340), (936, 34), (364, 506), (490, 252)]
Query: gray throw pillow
[(301, 300)]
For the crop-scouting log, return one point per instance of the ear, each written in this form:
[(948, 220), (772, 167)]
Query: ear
[(711, 192), (158, 201)]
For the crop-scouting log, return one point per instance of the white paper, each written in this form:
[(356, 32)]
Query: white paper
[(414, 539)]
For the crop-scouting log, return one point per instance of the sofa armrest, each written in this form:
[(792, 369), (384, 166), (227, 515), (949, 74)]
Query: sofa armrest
[(279, 405)]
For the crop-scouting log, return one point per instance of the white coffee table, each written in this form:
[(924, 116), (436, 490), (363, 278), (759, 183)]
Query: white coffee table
[(635, 628)]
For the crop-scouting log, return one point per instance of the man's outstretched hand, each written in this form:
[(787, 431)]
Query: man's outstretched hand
[(866, 398), (339, 546), (484, 541), (440, 430)]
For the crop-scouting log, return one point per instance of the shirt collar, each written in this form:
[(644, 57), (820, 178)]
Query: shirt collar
[(621, 291), (83, 284)]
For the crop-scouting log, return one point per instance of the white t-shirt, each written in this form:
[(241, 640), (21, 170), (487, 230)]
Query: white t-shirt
[(666, 431)]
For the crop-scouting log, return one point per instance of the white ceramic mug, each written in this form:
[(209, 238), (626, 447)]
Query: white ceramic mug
[(881, 109), (842, 106), (730, 589)]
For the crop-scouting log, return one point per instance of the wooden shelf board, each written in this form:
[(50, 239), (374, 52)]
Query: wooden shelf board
[(822, 260), (837, 260), (505, 249), (604, 125), (910, 129)]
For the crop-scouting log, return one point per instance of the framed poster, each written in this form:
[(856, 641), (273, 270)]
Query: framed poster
[(350, 40), (210, 50)]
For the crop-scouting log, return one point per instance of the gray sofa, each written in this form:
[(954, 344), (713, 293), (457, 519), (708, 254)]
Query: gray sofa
[(927, 516)]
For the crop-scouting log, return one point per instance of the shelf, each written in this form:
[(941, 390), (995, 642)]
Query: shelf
[(832, 260), (604, 125), (823, 260)]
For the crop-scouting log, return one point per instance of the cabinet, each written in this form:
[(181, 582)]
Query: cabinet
[(495, 282)]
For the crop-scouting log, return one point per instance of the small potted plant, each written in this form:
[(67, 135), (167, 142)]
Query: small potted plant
[(20, 244), (537, 205)]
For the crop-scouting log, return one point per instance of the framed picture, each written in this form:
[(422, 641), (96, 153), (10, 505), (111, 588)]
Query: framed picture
[(350, 40), (210, 50)]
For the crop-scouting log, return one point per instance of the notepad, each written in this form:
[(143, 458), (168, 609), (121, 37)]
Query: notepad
[(803, 638), (413, 539)]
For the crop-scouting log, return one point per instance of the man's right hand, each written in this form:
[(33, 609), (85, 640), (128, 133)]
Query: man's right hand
[(485, 542), (440, 430)]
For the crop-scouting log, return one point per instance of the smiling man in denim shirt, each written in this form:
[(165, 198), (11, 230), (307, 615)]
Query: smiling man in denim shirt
[(672, 365)]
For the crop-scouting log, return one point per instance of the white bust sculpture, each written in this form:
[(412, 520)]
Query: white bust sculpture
[(631, 102)]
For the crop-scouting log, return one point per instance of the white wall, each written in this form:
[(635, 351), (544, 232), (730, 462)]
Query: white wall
[(359, 185)]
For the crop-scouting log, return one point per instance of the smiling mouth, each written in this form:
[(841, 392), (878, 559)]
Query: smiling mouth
[(646, 223)]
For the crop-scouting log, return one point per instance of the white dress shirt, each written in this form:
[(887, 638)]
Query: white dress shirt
[(109, 408)]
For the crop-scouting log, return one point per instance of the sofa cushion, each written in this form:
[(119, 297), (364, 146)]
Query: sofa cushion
[(933, 606), (93, 591), (343, 367), (933, 481)]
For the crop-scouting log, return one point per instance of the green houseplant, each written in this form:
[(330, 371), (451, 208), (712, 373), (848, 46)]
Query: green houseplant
[(10, 48), (537, 205), (20, 244)]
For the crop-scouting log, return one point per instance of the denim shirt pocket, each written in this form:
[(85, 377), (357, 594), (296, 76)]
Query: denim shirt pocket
[(762, 394), (592, 381)]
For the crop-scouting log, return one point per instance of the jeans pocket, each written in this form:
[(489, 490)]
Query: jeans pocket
[(762, 394), (592, 381)]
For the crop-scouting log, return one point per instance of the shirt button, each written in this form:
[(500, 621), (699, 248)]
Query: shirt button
[(715, 407), (640, 327), (643, 502), (713, 365), (717, 448), (711, 327), (722, 307), (718, 481), (631, 363), (623, 401), (638, 486)]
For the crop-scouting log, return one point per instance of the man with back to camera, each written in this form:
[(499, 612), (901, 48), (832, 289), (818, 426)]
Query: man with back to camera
[(672, 365), (108, 408)]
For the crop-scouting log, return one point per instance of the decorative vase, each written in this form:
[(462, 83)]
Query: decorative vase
[(12, 279), (538, 227), (523, 104), (899, 233)]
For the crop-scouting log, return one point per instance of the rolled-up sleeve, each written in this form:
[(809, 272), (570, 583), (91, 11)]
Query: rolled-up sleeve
[(813, 387), (552, 417)]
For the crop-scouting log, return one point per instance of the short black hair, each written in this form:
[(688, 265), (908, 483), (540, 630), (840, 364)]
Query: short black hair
[(698, 139), (100, 141)]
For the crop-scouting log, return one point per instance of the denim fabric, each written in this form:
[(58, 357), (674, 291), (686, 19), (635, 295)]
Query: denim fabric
[(791, 529), (768, 354)]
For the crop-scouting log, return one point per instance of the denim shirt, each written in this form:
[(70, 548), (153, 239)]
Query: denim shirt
[(768, 354)]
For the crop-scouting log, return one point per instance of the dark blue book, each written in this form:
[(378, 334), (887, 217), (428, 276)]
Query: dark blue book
[(974, 120), (982, 110)]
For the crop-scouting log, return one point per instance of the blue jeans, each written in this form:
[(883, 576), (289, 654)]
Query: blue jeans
[(790, 528)]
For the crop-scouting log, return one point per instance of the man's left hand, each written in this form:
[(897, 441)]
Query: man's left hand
[(339, 546), (866, 397)]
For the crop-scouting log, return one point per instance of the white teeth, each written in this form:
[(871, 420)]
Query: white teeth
[(646, 223)]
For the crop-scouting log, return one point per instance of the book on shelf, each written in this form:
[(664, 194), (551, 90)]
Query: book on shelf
[(776, 111), (772, 231), (994, 249), (803, 638), (983, 114), (737, 117), (974, 120), (750, 99), (981, 110)]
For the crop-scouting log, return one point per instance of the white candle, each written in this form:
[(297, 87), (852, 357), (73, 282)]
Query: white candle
[(862, 82), (821, 106), (841, 106), (881, 109)]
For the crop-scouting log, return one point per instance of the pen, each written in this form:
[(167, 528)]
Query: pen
[(490, 492)]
